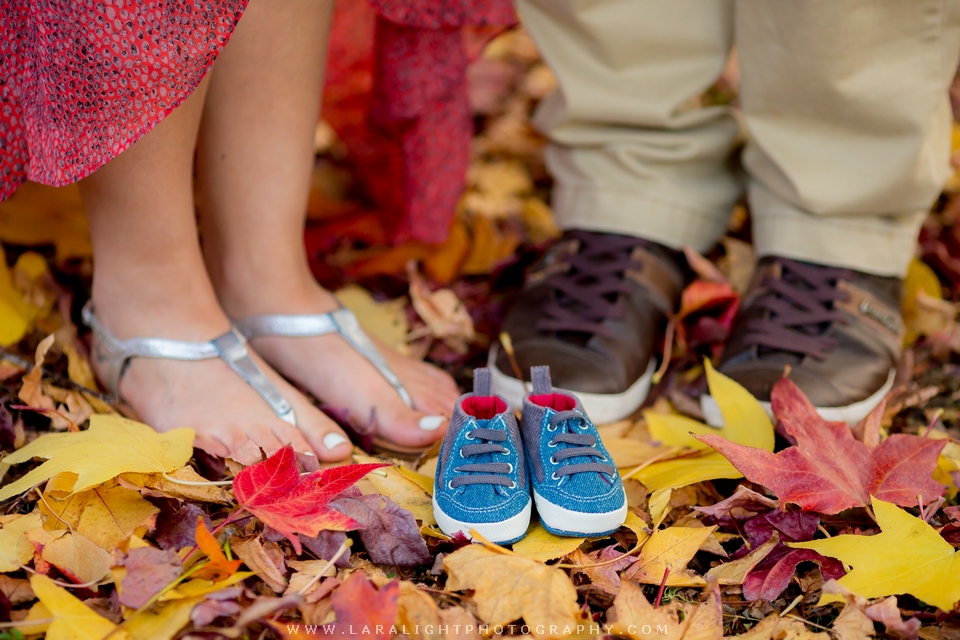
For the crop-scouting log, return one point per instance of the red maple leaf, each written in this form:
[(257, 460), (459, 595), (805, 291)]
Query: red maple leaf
[(829, 470), (276, 493)]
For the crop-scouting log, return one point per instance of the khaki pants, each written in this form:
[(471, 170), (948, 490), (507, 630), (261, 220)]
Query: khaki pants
[(844, 103)]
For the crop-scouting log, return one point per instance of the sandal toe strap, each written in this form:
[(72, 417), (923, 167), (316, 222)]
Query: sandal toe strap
[(115, 354), (341, 321)]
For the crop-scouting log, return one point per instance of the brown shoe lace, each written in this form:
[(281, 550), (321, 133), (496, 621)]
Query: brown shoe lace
[(800, 310), (586, 294)]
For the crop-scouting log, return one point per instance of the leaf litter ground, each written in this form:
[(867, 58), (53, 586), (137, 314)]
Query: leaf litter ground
[(111, 530)]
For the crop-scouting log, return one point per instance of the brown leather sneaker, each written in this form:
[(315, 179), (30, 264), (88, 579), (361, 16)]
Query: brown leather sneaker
[(840, 331), (594, 310)]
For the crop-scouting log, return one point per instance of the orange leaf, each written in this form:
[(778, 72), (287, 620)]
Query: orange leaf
[(219, 568)]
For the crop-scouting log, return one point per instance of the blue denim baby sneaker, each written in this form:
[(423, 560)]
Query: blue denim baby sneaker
[(575, 485), (481, 482)]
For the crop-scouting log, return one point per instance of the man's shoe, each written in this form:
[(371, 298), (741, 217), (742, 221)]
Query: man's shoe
[(576, 487), (481, 481), (594, 309), (839, 331)]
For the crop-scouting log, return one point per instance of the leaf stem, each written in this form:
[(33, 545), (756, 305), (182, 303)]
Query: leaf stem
[(346, 544), (663, 586), (196, 483), (657, 458)]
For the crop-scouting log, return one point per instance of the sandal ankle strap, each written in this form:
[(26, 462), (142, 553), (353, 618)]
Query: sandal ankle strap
[(115, 354)]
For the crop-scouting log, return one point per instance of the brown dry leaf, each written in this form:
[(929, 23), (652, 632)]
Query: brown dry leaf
[(509, 587), (107, 514), (253, 554), (853, 623), (669, 548), (538, 221), (405, 492), (31, 391), (155, 485), (734, 572), (490, 246), (773, 627), (739, 263), (306, 571), (77, 557), (443, 312), (633, 617), (417, 613), (461, 625), (16, 590)]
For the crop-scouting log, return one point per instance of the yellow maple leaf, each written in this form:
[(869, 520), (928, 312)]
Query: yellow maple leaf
[(162, 622), (510, 587), (15, 548), (111, 446), (540, 544), (745, 422), (107, 514), (922, 563), (17, 314), (670, 548), (72, 620)]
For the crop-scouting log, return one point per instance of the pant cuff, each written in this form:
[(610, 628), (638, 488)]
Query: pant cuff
[(880, 245), (644, 215)]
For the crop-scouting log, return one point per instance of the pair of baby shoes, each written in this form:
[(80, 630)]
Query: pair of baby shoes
[(489, 467)]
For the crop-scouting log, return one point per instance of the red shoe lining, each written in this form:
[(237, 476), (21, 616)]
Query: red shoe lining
[(483, 407), (555, 401)]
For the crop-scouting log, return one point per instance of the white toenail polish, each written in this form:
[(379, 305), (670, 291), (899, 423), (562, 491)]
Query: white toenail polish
[(333, 440), (431, 423)]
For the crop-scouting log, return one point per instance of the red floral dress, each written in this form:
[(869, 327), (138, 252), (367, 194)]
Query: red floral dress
[(82, 80)]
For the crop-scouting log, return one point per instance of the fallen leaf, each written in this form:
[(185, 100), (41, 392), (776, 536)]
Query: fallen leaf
[(924, 565), (176, 526), (772, 576), (107, 514), (155, 485), (404, 491), (744, 502), (853, 624), (274, 492), (149, 570), (773, 627), (418, 613), (37, 214), (603, 567), (632, 616), (745, 422), (887, 613), (77, 558), (629, 452), (326, 544), (218, 568), (72, 620), (659, 506), (672, 549), (829, 470), (255, 557), (162, 622), (442, 311), (509, 587), (15, 548), (16, 590), (17, 314), (364, 610), (306, 572), (736, 571), (539, 544), (389, 534), (111, 446), (31, 389), (210, 609)]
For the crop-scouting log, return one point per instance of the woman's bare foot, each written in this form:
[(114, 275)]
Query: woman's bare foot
[(334, 372), (207, 395)]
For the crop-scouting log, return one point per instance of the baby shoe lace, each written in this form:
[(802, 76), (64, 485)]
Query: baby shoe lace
[(799, 310), (585, 446), (489, 472), (585, 295)]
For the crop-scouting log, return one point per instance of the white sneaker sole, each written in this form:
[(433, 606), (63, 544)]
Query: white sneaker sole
[(503, 531), (851, 414), (601, 408), (576, 522)]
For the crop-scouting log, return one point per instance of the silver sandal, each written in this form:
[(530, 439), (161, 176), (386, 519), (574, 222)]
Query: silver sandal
[(341, 321), (229, 347)]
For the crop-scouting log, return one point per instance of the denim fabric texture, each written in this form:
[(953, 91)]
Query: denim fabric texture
[(596, 490), (481, 436)]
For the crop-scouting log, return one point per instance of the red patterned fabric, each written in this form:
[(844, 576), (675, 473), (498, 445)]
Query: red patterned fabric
[(81, 80)]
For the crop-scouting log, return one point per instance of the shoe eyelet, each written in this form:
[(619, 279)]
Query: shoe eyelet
[(551, 428), (468, 436), (505, 451), (450, 485), (461, 453), (553, 476), (553, 445), (512, 485), (510, 470), (553, 461)]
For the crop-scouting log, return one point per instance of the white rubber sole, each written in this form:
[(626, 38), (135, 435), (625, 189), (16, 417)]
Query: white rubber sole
[(851, 414), (578, 523), (601, 408), (504, 531)]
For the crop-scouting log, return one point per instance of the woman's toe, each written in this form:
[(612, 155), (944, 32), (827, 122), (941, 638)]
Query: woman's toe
[(411, 428)]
